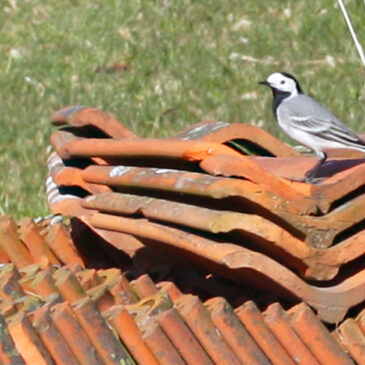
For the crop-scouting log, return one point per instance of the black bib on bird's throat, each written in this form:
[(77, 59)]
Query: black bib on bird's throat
[(278, 98)]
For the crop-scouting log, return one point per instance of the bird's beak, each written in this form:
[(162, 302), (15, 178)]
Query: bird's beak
[(264, 83)]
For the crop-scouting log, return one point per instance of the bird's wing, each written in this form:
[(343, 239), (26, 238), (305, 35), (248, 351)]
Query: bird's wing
[(325, 128), (311, 117)]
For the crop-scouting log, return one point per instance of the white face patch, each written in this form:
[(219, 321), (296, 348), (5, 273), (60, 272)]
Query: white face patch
[(282, 83)]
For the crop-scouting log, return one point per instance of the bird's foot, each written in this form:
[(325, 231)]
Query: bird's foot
[(300, 180), (307, 180), (312, 180)]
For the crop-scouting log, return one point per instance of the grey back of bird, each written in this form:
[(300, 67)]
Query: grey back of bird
[(305, 114)]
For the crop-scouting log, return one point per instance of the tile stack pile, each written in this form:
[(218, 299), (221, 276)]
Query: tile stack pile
[(220, 199), (71, 315)]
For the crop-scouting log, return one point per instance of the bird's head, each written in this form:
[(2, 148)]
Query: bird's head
[(282, 82)]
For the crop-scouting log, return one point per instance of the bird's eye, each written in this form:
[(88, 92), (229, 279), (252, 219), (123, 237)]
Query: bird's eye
[(282, 82)]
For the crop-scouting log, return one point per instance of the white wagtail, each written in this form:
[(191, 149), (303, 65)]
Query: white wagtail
[(308, 122)]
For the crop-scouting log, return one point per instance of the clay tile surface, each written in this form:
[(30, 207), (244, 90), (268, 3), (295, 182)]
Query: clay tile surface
[(339, 177), (320, 263), (183, 339), (194, 183), (352, 338), (162, 329), (71, 176), (241, 263), (322, 345), (81, 116), (312, 229), (71, 146), (248, 138), (234, 332), (338, 220), (202, 248)]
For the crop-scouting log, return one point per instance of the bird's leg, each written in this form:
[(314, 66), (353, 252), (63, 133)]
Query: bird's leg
[(312, 173)]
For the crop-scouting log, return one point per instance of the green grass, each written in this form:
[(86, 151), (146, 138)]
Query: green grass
[(184, 64)]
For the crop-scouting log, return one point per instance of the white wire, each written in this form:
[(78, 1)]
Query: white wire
[(353, 34)]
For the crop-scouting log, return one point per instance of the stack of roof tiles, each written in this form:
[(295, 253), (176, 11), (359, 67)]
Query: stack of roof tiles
[(56, 311), (221, 200)]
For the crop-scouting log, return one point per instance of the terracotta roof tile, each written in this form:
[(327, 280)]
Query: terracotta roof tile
[(160, 345), (182, 338), (103, 340), (198, 319), (129, 333), (8, 352), (340, 177), (10, 243), (59, 240), (246, 137), (144, 286), (352, 339), (68, 285), (35, 242), (322, 345), (235, 333), (73, 333), (71, 176), (81, 116), (277, 320), (252, 319), (242, 166), (52, 338), (27, 341), (192, 183)]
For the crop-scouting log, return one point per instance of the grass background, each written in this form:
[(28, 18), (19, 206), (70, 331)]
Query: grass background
[(186, 60)]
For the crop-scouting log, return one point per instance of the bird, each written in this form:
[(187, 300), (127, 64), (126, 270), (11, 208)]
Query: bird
[(308, 122)]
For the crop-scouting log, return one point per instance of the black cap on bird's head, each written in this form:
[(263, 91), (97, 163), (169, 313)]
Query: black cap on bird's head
[(282, 82)]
